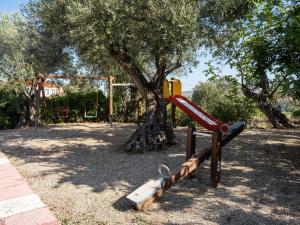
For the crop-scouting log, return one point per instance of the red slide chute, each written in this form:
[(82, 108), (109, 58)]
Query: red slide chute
[(198, 114)]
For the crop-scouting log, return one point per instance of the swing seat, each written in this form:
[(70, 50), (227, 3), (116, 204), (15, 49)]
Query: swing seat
[(86, 116), (90, 117), (62, 113), (145, 192)]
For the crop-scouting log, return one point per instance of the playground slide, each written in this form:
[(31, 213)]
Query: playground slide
[(198, 114)]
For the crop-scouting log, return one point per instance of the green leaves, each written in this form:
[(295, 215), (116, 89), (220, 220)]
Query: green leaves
[(14, 67), (146, 30), (153, 33), (223, 99), (264, 49)]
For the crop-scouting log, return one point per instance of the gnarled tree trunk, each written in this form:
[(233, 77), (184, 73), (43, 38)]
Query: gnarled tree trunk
[(275, 117), (28, 117), (263, 101), (155, 131)]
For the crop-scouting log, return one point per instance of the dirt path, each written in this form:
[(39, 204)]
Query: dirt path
[(82, 173)]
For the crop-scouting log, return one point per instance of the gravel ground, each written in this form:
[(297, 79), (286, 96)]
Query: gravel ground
[(82, 172)]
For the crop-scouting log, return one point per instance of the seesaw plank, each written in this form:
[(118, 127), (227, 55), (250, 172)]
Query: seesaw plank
[(148, 192), (144, 192)]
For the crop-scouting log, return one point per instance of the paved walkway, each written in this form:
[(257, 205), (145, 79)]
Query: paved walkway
[(18, 204)]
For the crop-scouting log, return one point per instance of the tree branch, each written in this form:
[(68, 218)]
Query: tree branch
[(278, 86), (160, 71), (26, 94), (173, 68), (247, 91), (128, 64)]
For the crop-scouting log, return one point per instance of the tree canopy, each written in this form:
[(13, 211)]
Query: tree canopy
[(147, 40), (151, 33), (14, 66), (265, 51), (25, 51), (222, 98)]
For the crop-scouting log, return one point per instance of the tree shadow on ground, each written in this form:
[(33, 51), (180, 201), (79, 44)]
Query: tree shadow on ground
[(100, 164), (264, 164)]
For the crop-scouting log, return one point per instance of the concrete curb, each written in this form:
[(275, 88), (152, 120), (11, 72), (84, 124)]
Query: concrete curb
[(18, 204)]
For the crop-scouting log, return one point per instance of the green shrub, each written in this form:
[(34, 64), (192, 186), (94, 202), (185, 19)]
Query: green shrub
[(78, 103), (5, 122), (182, 119), (223, 99), (296, 113), (11, 107)]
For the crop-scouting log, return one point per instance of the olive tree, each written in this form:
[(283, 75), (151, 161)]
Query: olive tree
[(25, 53), (147, 40), (15, 72), (265, 50)]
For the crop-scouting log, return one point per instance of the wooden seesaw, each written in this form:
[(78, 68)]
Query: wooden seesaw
[(148, 192)]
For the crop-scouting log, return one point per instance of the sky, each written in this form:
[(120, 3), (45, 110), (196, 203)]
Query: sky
[(11, 5), (197, 75), (188, 82)]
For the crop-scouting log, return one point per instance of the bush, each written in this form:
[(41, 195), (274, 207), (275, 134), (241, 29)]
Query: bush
[(296, 113), (78, 103), (11, 107), (182, 119), (125, 104), (5, 122), (223, 99)]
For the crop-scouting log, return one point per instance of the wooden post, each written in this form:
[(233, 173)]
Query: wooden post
[(37, 109), (37, 88), (216, 158), (190, 142), (110, 99), (190, 146), (151, 190), (138, 112), (173, 116), (45, 101)]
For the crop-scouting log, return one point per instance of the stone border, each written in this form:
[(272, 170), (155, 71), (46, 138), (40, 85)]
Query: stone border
[(18, 204)]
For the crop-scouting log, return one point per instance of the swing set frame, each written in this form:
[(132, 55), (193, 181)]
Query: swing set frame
[(86, 116), (65, 112)]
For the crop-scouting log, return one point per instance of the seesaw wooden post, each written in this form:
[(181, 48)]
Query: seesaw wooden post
[(147, 193), (190, 143), (190, 146), (216, 158)]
